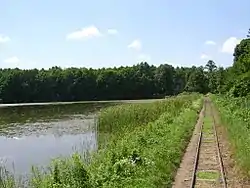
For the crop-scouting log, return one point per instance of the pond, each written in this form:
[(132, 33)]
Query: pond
[(33, 135)]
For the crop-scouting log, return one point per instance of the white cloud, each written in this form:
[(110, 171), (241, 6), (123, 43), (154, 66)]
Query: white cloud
[(4, 39), (86, 32), (136, 44), (210, 42), (112, 32), (144, 57), (229, 45), (12, 60), (204, 56)]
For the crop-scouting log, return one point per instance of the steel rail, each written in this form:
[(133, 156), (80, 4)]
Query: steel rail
[(222, 171), (219, 152), (193, 180)]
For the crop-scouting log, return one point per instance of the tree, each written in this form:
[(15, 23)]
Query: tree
[(197, 82), (242, 57), (163, 79), (211, 69), (237, 76), (210, 66), (248, 35)]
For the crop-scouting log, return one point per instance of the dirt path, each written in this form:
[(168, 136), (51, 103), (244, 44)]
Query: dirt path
[(214, 166)]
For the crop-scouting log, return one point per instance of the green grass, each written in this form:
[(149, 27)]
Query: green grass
[(208, 132), (6, 179), (208, 175), (123, 118), (145, 148), (208, 140), (235, 116), (207, 125)]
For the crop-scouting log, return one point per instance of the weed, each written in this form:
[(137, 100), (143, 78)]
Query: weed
[(209, 175), (235, 116)]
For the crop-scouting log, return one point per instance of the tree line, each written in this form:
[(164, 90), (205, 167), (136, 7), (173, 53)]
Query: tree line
[(140, 81)]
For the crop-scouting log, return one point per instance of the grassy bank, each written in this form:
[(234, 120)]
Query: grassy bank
[(124, 118), (235, 116), (149, 155), (145, 150)]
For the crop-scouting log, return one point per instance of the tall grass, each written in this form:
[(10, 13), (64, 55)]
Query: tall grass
[(147, 144), (114, 121), (126, 117), (235, 116), (6, 179)]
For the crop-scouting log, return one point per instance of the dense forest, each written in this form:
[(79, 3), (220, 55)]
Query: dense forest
[(137, 82)]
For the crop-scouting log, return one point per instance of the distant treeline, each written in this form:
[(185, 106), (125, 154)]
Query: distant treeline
[(136, 82), (71, 84)]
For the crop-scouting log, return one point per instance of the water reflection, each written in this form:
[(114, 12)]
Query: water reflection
[(57, 127), (31, 114), (39, 150), (25, 143)]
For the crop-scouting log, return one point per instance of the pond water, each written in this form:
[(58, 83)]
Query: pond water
[(33, 135)]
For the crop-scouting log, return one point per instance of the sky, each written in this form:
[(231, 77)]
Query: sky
[(108, 33)]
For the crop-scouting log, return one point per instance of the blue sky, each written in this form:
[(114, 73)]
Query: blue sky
[(107, 33)]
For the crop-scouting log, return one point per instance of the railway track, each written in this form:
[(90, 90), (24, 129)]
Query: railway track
[(208, 170)]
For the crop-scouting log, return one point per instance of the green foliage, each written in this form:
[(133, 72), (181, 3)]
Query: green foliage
[(63, 173), (238, 75), (242, 57), (130, 115), (197, 82), (74, 84), (241, 87), (235, 79), (210, 66), (235, 114), (6, 179), (116, 120), (140, 81)]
